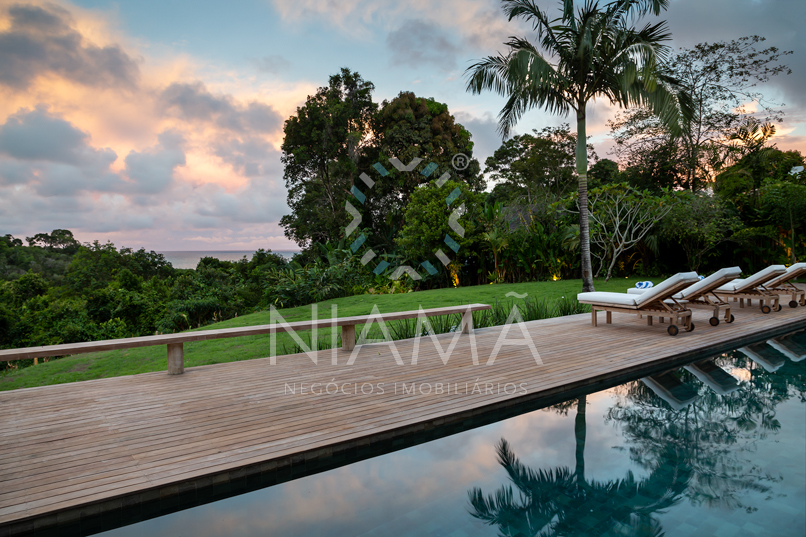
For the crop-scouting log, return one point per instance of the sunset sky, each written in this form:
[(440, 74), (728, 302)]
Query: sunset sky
[(158, 124)]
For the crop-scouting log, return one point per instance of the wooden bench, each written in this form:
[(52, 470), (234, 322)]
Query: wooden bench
[(174, 342)]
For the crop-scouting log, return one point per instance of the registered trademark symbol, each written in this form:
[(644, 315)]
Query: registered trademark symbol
[(460, 161)]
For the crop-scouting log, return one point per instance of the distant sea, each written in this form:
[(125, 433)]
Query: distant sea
[(185, 260)]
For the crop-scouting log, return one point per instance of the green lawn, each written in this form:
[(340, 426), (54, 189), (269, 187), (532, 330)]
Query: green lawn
[(146, 359)]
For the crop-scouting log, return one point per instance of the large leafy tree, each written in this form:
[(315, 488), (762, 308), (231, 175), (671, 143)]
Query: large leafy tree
[(323, 144), (723, 79), (427, 225), (410, 127), (785, 203), (536, 167), (585, 53), (699, 222), (60, 239), (657, 168), (622, 216), (756, 161)]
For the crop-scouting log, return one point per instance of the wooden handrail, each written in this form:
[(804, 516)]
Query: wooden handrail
[(175, 342)]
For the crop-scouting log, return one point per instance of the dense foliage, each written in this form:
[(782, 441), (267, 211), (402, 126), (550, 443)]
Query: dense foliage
[(714, 191), (60, 292), (54, 291), (340, 133)]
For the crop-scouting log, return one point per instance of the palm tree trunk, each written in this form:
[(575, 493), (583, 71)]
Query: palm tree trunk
[(580, 429), (792, 224), (582, 171)]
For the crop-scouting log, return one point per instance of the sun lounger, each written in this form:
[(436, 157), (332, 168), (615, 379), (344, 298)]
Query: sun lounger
[(713, 376), (754, 288), (669, 388), (765, 360), (787, 347), (657, 301), (701, 294), (782, 285)]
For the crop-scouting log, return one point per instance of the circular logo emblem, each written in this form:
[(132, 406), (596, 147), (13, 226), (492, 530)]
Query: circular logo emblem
[(453, 220), (460, 161)]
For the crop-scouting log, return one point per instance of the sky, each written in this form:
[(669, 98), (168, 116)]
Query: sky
[(158, 124)]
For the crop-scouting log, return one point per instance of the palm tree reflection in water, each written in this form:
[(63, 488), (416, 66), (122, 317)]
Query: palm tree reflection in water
[(561, 502), (693, 453)]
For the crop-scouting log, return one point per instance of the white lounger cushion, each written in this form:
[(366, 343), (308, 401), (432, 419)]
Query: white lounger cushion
[(771, 364), (785, 347), (795, 271), (635, 300), (713, 376), (706, 285), (661, 290), (601, 297), (759, 278)]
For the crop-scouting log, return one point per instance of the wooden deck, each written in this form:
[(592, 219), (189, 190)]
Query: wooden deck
[(74, 450)]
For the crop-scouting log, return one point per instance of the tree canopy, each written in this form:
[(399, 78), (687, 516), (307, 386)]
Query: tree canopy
[(322, 145), (341, 133), (723, 80)]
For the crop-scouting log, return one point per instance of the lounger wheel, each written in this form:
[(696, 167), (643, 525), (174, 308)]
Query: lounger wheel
[(690, 327), (714, 321), (765, 309), (732, 318), (673, 330), (793, 304), (778, 307)]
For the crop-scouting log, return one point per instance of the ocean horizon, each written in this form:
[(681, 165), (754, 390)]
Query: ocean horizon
[(188, 259)]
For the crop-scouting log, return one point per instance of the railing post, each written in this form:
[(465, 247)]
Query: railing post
[(176, 359), (348, 337), (467, 321)]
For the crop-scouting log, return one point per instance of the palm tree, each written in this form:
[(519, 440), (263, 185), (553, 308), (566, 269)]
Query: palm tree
[(593, 52), (498, 240)]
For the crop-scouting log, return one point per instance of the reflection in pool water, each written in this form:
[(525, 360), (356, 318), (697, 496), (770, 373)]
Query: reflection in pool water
[(616, 462)]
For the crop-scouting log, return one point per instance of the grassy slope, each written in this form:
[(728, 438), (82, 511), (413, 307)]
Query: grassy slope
[(145, 359)]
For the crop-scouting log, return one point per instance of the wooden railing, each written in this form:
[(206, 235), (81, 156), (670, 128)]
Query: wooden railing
[(174, 342)]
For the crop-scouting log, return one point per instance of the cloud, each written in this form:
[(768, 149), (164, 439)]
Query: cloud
[(477, 25), (694, 21), (152, 170), (14, 173), (194, 102), (250, 157), (37, 135), (273, 64), (42, 40), (485, 133), (53, 155), (422, 44)]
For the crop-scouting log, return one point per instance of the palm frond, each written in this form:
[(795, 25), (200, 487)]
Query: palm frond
[(584, 54)]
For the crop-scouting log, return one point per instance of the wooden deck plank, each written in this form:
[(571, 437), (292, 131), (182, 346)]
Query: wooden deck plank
[(66, 446)]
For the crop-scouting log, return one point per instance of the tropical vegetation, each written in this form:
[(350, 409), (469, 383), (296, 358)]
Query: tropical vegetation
[(696, 182)]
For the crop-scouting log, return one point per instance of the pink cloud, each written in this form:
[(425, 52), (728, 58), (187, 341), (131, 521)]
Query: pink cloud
[(161, 150)]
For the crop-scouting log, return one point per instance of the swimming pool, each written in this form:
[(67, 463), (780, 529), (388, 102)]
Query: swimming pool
[(693, 451)]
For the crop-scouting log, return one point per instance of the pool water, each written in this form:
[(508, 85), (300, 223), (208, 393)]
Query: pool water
[(679, 459)]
